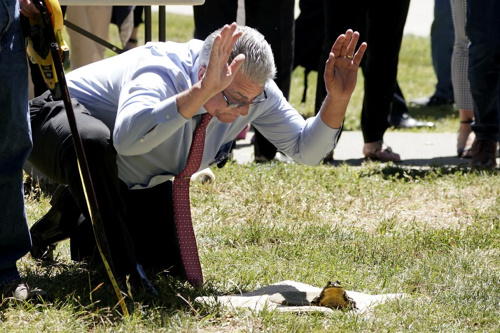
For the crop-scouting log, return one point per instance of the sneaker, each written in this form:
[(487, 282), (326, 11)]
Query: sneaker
[(484, 154), (407, 121), (20, 291)]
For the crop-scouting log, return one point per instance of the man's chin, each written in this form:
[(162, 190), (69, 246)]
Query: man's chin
[(227, 119)]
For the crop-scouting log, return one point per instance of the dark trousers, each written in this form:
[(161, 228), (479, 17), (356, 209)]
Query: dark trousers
[(381, 25), (483, 30), (442, 40), (138, 224), (272, 18)]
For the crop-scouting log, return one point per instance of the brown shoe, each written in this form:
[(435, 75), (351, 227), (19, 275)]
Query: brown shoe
[(379, 152), (484, 154)]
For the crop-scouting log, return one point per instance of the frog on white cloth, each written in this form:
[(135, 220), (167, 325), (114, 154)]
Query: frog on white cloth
[(292, 296)]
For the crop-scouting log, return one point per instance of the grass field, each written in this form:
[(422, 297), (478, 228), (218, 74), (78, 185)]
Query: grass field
[(431, 233)]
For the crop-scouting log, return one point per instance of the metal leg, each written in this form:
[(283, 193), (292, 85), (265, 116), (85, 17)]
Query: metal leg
[(161, 23), (147, 23)]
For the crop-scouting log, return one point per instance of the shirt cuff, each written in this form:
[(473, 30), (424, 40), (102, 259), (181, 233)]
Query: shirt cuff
[(324, 133), (167, 112)]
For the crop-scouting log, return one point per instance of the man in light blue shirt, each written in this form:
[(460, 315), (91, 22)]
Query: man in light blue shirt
[(137, 113)]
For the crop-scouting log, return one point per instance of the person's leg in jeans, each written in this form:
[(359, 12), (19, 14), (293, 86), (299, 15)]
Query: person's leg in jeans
[(15, 142), (442, 40), (483, 29)]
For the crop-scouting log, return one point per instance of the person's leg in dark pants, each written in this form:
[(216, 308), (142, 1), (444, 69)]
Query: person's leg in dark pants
[(275, 20), (54, 155), (212, 15), (336, 22), (385, 26), (150, 219), (381, 26), (483, 29)]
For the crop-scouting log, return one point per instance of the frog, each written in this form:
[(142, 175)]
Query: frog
[(334, 296)]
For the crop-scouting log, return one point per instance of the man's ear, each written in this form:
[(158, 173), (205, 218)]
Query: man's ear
[(201, 72)]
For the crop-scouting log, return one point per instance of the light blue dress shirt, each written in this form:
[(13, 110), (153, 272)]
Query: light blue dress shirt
[(134, 94)]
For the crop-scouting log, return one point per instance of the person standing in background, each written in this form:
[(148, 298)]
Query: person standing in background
[(381, 25), (461, 87), (15, 146), (483, 29), (442, 40), (272, 18)]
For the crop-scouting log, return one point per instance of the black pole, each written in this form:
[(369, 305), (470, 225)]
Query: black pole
[(161, 24), (147, 23)]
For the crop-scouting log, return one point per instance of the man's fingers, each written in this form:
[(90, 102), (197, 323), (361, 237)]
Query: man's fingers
[(236, 64), (346, 43), (352, 42), (359, 54), (337, 46), (229, 37), (330, 63)]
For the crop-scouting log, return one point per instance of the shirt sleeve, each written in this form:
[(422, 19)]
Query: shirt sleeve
[(147, 111), (305, 141)]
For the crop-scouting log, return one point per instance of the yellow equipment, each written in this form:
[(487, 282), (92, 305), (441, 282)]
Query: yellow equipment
[(46, 47), (39, 40)]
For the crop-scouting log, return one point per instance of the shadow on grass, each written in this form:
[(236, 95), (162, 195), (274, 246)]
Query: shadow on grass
[(418, 168), (447, 162), (86, 288)]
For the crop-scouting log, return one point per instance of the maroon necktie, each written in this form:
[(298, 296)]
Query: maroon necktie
[(182, 208)]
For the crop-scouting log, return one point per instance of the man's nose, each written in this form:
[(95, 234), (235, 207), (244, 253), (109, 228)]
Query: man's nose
[(243, 110)]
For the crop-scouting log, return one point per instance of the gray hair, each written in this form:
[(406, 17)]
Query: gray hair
[(259, 64)]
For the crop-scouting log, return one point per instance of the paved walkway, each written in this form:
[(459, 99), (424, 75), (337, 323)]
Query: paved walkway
[(416, 149)]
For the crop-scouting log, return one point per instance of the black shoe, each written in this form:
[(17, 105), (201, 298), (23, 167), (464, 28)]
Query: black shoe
[(53, 226), (328, 159), (484, 154), (138, 278), (432, 101), (20, 291), (407, 121), (261, 159)]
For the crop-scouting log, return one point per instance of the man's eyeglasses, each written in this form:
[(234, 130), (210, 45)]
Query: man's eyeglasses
[(238, 105)]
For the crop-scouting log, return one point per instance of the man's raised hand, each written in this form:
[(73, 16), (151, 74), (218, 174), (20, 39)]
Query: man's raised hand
[(219, 74), (341, 69)]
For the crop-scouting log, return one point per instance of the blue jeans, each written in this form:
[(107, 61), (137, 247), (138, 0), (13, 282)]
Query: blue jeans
[(483, 29), (442, 39), (15, 140)]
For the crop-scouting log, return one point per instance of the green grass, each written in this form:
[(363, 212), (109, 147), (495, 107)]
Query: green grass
[(432, 233)]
